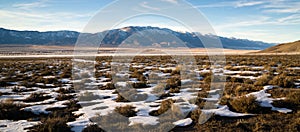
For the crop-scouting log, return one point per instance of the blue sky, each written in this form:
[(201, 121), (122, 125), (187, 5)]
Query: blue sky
[(264, 20)]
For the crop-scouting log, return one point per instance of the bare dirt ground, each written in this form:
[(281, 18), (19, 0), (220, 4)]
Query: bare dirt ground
[(68, 51)]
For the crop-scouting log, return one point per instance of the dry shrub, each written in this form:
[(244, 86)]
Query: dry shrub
[(195, 114), (127, 110), (12, 111), (65, 90), (294, 98), (263, 80), (120, 98), (139, 85), (62, 97), (243, 89), (138, 74), (245, 104), (126, 95), (164, 106), (167, 118), (225, 100), (283, 80), (109, 86), (176, 70), (292, 101), (173, 82), (36, 97), (174, 90), (55, 124)]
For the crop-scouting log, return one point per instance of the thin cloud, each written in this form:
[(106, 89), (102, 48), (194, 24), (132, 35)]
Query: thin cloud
[(281, 7), (251, 3), (235, 4), (283, 10), (42, 21), (27, 6), (292, 19), (171, 1), (145, 5), (261, 20)]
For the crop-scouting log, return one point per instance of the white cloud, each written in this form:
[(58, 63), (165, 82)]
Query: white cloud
[(221, 4), (28, 6), (291, 19), (283, 10), (171, 1), (235, 4), (250, 21), (280, 6), (245, 4), (145, 5), (35, 20)]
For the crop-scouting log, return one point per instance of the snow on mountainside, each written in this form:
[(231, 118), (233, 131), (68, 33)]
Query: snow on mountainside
[(115, 37)]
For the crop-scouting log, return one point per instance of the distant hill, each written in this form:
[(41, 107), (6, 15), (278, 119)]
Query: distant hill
[(284, 48), (115, 37)]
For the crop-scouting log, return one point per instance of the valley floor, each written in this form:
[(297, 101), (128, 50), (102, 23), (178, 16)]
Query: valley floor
[(152, 93)]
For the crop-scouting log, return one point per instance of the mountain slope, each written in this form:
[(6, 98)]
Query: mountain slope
[(39, 38), (284, 48), (115, 37)]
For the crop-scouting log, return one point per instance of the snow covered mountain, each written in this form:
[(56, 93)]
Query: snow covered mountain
[(115, 37)]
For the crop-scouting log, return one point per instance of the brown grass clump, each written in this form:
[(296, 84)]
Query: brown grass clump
[(173, 82), (245, 104), (128, 95), (65, 90), (283, 80), (292, 101), (263, 80), (55, 124), (139, 75), (108, 86), (127, 110), (57, 120), (120, 98), (62, 97), (164, 106), (195, 114), (139, 85), (36, 97), (12, 111)]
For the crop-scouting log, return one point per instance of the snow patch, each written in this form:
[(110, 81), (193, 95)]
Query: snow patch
[(183, 122)]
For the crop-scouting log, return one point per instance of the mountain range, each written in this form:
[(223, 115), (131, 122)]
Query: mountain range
[(115, 37)]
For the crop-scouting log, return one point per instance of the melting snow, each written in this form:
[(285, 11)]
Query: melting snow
[(15, 126), (265, 101), (224, 111), (38, 109), (145, 120), (183, 122)]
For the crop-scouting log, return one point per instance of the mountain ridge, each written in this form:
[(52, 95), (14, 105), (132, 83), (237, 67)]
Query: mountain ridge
[(291, 47), (115, 37)]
